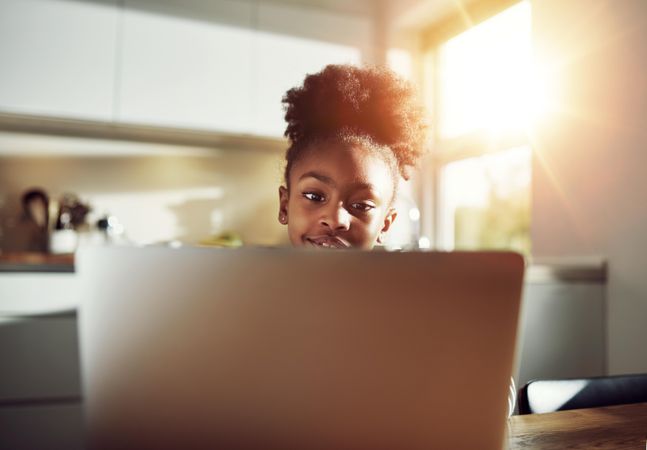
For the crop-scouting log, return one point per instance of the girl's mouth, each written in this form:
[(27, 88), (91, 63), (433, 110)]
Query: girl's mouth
[(326, 242)]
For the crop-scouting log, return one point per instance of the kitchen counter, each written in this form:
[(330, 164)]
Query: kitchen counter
[(566, 270), (538, 270), (42, 284), (32, 262)]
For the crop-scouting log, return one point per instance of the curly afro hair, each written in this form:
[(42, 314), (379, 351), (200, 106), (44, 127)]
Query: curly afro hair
[(344, 101)]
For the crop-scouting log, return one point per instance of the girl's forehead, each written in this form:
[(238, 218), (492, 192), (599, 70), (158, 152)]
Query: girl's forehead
[(343, 160), (345, 165)]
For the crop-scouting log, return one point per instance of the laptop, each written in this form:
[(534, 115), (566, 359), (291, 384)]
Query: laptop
[(255, 349)]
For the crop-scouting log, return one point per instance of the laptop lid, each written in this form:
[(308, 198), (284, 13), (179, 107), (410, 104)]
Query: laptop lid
[(267, 348)]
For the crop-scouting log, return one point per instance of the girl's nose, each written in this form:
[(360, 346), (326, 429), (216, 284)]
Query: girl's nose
[(336, 218)]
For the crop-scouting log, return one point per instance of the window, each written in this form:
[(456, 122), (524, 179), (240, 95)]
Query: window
[(479, 89)]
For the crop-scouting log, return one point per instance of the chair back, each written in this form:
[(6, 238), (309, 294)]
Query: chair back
[(541, 396)]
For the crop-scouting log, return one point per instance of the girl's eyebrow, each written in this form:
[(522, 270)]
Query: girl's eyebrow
[(321, 177), (329, 181)]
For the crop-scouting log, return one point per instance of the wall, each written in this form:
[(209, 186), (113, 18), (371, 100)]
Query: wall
[(591, 155)]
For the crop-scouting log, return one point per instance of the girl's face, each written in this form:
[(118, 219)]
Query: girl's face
[(340, 196)]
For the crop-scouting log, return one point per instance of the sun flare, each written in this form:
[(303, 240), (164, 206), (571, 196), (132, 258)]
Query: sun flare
[(489, 79)]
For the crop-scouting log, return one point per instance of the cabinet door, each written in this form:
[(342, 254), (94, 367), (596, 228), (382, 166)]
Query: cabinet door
[(562, 331), (58, 57), (38, 427), (187, 64), (39, 359), (293, 42)]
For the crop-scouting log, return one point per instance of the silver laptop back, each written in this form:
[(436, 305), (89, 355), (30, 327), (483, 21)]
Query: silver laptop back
[(286, 349)]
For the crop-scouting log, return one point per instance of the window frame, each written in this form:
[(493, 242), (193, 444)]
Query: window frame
[(448, 150)]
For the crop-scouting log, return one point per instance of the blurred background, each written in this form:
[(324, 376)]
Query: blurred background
[(160, 122), (167, 116)]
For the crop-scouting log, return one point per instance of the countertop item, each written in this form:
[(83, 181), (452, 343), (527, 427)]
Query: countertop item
[(35, 220)]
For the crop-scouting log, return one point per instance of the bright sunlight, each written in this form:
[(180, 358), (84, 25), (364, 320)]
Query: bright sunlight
[(487, 78)]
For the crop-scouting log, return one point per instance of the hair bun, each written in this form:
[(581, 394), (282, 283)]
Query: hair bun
[(372, 102)]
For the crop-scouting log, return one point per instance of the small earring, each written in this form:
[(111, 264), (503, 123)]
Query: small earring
[(282, 219)]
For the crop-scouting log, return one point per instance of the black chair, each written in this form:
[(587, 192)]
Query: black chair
[(541, 396)]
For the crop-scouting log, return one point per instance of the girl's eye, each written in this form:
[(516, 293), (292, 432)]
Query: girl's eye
[(363, 207), (312, 196)]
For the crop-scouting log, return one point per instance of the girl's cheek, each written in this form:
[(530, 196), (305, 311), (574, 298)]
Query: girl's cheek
[(302, 216)]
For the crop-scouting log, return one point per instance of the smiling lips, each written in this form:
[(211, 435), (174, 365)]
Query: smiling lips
[(327, 242)]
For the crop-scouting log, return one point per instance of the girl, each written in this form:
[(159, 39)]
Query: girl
[(353, 134)]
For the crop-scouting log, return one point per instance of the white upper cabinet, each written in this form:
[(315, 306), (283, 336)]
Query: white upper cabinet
[(187, 64), (57, 57), (292, 42), (219, 65)]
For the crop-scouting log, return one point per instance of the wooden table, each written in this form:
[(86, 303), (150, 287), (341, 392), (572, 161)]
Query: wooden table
[(612, 428)]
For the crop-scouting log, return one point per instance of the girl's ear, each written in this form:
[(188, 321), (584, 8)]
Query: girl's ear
[(283, 205), (388, 220)]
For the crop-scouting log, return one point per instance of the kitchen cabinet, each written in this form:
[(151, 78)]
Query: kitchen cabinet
[(40, 388), (292, 42), (58, 57), (562, 330), (32, 293), (186, 64), (40, 379), (225, 65), (39, 358), (42, 427), (217, 65)]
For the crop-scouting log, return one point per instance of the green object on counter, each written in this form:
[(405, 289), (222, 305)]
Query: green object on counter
[(228, 239)]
